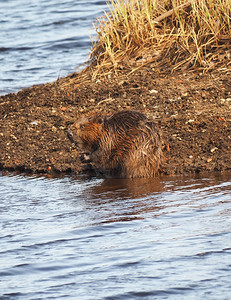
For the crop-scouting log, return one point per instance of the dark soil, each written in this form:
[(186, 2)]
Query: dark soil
[(192, 109)]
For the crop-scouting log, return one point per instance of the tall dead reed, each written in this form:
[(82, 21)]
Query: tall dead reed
[(167, 33)]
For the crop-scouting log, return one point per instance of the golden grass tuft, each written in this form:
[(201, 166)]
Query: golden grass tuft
[(167, 33)]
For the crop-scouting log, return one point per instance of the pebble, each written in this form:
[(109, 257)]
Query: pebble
[(153, 91), (184, 94), (213, 149), (189, 121), (34, 123), (203, 95)]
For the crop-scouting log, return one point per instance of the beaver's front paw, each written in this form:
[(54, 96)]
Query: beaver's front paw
[(85, 158)]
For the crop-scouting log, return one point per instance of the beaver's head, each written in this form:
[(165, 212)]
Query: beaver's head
[(86, 132)]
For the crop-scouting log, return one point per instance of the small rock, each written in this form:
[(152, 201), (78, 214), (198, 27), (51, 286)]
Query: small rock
[(13, 136), (213, 149), (209, 160), (184, 94), (34, 123), (189, 121), (153, 91), (203, 95)]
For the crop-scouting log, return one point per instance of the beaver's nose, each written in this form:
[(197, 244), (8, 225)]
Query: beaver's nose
[(70, 135)]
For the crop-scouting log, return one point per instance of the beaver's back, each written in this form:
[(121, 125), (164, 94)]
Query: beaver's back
[(124, 120)]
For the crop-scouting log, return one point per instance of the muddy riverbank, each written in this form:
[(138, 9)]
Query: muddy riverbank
[(191, 108)]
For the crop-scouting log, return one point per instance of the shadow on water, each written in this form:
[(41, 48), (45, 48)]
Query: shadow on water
[(124, 199), (128, 188), (115, 200)]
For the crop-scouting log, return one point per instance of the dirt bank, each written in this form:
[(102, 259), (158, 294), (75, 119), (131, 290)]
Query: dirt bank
[(192, 109)]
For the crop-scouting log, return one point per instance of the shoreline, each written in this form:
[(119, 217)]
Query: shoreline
[(192, 110)]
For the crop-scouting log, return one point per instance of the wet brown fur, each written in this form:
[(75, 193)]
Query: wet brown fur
[(126, 144)]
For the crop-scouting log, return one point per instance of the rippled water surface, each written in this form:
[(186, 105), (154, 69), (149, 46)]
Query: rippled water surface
[(43, 39), (79, 238)]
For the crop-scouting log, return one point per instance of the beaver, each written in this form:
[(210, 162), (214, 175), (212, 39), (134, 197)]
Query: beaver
[(125, 144)]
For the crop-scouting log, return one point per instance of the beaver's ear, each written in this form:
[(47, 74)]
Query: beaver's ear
[(108, 117)]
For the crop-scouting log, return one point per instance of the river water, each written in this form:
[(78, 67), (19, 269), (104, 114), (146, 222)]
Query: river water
[(43, 39), (80, 238), (89, 238)]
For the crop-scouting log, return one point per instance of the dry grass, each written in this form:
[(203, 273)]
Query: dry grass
[(167, 33)]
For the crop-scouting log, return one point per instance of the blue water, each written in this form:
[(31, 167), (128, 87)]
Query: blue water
[(74, 238), (41, 40), (78, 238)]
